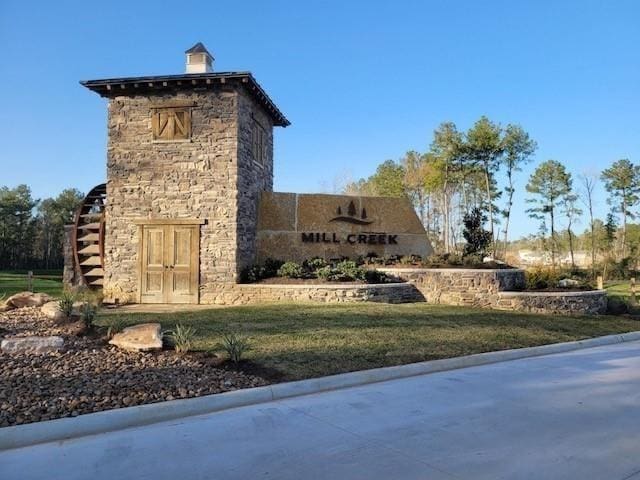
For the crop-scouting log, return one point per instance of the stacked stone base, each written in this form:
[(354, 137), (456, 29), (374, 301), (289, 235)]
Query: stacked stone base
[(243, 294), (500, 289), (461, 286), (592, 302)]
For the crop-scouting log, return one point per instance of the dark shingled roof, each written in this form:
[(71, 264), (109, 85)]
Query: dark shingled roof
[(112, 87), (198, 48)]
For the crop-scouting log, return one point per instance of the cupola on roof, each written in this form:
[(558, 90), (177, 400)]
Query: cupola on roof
[(199, 60)]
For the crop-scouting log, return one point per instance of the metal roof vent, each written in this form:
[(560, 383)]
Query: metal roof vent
[(199, 60)]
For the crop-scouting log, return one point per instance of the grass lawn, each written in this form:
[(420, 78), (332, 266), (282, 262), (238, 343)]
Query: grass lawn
[(295, 341), (46, 281), (619, 288)]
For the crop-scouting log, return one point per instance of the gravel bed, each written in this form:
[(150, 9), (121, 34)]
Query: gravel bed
[(89, 375)]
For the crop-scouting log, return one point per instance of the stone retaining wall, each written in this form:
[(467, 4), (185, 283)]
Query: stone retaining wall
[(593, 302), (497, 289), (242, 294), (461, 286)]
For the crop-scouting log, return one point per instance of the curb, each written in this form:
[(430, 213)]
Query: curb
[(118, 419)]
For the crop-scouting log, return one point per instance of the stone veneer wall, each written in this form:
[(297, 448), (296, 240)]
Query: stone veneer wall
[(563, 303), (212, 176), (497, 289), (459, 286), (254, 176), (243, 294)]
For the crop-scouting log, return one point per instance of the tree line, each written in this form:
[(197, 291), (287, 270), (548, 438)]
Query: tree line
[(455, 176), (474, 174), (32, 230)]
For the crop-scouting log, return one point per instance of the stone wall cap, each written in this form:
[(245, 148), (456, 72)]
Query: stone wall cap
[(568, 293), (323, 286), (460, 270)]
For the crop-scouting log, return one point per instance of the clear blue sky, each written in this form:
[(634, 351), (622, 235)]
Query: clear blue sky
[(361, 81)]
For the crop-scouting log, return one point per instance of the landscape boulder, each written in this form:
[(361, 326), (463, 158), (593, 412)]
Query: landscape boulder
[(568, 283), (139, 338), (53, 311), (31, 345), (26, 299)]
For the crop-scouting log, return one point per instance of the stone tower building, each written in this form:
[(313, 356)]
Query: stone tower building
[(188, 156)]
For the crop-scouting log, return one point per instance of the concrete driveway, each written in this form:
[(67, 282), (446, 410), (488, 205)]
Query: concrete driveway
[(567, 416)]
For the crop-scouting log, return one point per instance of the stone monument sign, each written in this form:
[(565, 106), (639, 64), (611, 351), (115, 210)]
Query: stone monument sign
[(297, 226)]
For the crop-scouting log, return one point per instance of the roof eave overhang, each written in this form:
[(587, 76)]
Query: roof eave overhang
[(111, 87)]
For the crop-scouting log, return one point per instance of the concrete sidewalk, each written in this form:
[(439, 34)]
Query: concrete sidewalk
[(567, 416)]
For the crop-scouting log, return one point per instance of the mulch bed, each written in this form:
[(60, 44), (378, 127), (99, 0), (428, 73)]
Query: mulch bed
[(90, 376)]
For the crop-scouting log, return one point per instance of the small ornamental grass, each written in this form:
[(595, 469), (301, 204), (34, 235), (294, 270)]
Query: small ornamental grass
[(116, 326), (66, 304), (182, 338), (88, 312), (235, 345)]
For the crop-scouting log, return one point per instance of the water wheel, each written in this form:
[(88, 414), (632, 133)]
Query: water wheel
[(88, 237)]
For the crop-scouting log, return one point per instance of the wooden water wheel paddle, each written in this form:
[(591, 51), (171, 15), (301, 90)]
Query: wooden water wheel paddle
[(88, 237)]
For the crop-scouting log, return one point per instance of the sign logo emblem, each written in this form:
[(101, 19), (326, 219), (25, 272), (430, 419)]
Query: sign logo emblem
[(351, 216)]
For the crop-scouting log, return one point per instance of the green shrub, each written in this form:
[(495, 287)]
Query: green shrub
[(541, 278), (252, 274), (478, 239), (182, 338), (271, 266), (88, 312), (116, 326), (472, 260), (348, 270), (235, 345), (375, 276), (619, 270), (617, 306), (443, 260), (326, 273), (314, 264), (66, 304), (255, 273), (291, 270), (545, 277)]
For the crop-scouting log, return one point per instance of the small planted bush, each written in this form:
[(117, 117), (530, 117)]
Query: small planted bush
[(542, 278), (344, 270), (252, 274), (349, 270), (255, 273), (326, 273), (235, 345), (116, 326), (291, 270), (182, 338), (472, 260), (453, 260), (375, 276), (314, 264), (271, 266), (66, 304), (88, 313)]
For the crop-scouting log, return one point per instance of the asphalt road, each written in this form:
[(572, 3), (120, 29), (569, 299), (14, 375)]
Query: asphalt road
[(567, 416)]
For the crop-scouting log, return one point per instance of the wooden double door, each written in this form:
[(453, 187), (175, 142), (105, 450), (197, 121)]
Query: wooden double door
[(169, 263)]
